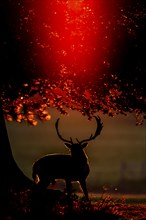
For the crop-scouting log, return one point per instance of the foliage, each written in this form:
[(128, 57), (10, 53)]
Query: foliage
[(34, 100), (62, 207), (92, 61), (53, 204)]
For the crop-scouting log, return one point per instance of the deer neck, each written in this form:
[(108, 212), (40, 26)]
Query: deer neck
[(80, 158)]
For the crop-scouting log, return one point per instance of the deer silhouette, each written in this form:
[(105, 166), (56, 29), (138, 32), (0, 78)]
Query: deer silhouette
[(70, 167)]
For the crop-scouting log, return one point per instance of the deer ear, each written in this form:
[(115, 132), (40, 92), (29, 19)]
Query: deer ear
[(84, 145), (68, 145)]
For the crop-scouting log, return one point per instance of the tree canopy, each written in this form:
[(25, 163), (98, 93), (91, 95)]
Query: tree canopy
[(87, 56)]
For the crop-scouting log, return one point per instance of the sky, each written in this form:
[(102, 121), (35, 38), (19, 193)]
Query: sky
[(120, 142)]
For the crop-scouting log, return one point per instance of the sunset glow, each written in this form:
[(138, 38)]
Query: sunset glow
[(75, 5), (69, 36)]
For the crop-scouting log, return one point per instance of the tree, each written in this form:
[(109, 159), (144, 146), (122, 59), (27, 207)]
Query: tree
[(100, 68)]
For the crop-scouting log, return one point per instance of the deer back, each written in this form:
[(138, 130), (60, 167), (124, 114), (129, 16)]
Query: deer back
[(59, 166)]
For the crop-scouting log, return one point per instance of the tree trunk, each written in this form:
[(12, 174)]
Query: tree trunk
[(11, 177)]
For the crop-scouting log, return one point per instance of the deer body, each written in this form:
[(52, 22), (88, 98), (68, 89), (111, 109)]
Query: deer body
[(56, 166), (70, 167)]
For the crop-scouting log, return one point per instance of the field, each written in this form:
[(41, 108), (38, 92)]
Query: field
[(54, 204), (134, 212), (133, 207)]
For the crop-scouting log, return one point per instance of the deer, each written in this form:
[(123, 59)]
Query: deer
[(69, 167)]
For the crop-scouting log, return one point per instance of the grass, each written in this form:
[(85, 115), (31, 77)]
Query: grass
[(128, 198), (54, 204), (135, 200)]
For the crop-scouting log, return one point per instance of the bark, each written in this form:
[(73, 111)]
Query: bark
[(11, 177)]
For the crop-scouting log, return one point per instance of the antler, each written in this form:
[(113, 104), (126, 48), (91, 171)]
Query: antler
[(59, 135), (97, 132)]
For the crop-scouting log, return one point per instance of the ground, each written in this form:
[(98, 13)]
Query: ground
[(134, 212), (54, 204)]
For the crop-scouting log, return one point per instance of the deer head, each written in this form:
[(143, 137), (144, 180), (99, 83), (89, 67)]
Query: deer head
[(82, 144)]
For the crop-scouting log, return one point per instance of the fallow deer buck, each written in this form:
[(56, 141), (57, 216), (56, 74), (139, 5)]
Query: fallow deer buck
[(73, 167)]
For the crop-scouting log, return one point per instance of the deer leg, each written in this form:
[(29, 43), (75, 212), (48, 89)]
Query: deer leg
[(44, 182), (53, 182), (84, 188), (68, 187)]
